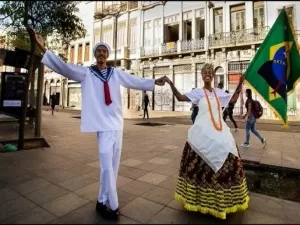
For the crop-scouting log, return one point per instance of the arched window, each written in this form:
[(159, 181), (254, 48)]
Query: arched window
[(219, 76)]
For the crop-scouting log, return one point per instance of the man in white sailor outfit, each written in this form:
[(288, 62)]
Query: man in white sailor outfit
[(101, 112)]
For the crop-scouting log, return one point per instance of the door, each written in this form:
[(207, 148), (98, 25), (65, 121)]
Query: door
[(163, 97), (74, 97), (184, 83), (124, 97)]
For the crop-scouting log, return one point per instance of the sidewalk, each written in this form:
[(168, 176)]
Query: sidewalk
[(60, 184), (133, 114)]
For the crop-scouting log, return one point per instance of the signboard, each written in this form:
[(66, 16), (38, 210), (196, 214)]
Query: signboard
[(12, 92)]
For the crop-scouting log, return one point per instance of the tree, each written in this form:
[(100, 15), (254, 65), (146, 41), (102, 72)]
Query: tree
[(48, 18)]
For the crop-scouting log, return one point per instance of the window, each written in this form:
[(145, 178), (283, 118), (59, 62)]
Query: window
[(187, 30), (99, 6), (218, 20), (107, 35), (132, 33), (258, 15), (107, 6), (72, 54), (87, 52), (79, 54), (200, 28), (219, 76), (147, 34), (157, 32), (96, 35), (121, 34), (290, 13), (237, 17)]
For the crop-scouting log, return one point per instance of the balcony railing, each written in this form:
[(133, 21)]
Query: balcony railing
[(170, 47), (148, 3), (246, 36), (133, 5), (149, 52), (186, 46), (192, 45)]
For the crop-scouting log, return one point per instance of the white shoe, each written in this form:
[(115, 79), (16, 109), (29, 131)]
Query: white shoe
[(264, 142), (245, 145), (235, 129)]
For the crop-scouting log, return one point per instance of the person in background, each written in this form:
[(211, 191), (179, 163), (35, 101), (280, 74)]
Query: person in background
[(145, 105), (53, 102), (195, 109), (229, 112), (221, 85), (251, 121)]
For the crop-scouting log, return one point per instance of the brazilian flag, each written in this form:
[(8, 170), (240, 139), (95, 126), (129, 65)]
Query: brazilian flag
[(275, 68)]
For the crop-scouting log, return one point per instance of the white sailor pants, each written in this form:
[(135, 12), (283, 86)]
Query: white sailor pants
[(110, 146)]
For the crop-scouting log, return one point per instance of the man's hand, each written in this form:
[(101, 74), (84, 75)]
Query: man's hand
[(38, 39), (160, 81)]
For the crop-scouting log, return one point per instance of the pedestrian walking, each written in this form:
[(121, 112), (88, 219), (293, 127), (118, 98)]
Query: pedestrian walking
[(229, 112), (251, 121)]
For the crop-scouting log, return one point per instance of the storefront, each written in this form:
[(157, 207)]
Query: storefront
[(199, 75), (74, 95), (235, 70), (184, 82), (148, 74), (163, 97)]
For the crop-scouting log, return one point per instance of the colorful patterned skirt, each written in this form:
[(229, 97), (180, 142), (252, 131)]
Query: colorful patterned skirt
[(200, 189)]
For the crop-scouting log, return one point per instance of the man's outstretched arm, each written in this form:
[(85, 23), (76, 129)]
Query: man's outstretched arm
[(134, 82), (53, 62)]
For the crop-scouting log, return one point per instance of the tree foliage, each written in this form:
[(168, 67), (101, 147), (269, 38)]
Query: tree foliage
[(48, 18), (56, 19)]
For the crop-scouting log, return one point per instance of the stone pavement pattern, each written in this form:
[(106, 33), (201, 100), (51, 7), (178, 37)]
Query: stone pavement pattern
[(60, 184)]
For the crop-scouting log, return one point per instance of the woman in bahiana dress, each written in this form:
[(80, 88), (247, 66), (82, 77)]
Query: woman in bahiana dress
[(211, 177)]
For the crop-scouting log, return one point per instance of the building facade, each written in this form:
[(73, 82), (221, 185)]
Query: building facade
[(176, 39), (80, 53)]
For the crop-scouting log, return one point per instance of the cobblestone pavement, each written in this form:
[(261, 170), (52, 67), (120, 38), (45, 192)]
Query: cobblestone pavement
[(60, 184)]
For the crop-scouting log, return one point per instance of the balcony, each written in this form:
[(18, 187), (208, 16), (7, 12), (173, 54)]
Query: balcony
[(192, 45), (149, 3), (171, 48), (241, 37), (150, 52), (132, 5), (102, 10)]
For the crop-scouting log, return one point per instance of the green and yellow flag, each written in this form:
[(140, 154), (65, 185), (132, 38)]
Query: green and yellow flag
[(275, 68)]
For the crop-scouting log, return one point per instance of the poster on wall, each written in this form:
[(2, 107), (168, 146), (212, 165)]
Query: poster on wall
[(12, 92)]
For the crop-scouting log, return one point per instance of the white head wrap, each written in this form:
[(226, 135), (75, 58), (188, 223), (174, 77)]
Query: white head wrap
[(101, 44)]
